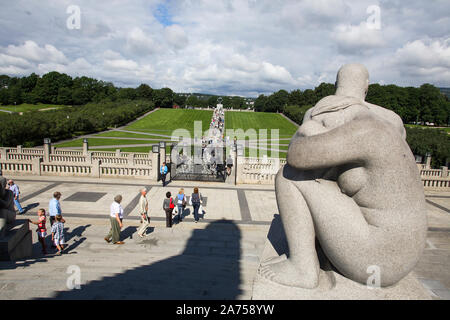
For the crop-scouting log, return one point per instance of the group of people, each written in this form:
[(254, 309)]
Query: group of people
[(178, 205), (56, 224), (171, 205)]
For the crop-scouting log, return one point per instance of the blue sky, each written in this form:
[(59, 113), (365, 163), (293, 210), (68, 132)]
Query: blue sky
[(236, 47)]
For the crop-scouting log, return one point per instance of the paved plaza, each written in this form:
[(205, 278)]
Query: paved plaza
[(214, 259)]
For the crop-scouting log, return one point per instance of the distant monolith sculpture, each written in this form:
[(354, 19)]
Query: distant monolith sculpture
[(350, 195)]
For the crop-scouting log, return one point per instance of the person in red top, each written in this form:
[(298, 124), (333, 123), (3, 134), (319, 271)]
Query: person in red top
[(41, 230)]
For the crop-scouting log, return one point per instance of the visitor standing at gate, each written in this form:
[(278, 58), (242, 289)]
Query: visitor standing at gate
[(15, 189), (168, 207), (163, 171)]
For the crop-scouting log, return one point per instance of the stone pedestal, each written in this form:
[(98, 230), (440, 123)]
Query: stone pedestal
[(332, 285), (17, 243)]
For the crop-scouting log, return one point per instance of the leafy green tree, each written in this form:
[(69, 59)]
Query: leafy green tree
[(163, 98), (260, 103), (64, 96), (144, 91)]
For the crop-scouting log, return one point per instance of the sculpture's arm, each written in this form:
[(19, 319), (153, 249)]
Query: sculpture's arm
[(355, 142)]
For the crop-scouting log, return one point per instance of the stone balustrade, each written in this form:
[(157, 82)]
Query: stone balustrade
[(50, 161), (101, 164)]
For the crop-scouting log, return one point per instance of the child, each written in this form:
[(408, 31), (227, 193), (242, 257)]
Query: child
[(58, 234), (41, 230)]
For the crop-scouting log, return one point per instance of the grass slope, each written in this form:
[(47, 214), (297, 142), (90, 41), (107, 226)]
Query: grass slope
[(260, 120), (165, 121)]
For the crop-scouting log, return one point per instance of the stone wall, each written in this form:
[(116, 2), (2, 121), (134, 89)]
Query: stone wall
[(62, 162), (49, 161)]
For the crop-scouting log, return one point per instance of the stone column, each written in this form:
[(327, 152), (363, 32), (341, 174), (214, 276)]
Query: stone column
[(118, 153), (428, 161), (162, 152), (19, 149), (47, 149), (36, 166), (131, 159), (95, 169), (85, 147), (89, 157), (155, 166), (240, 156), (444, 172), (3, 155)]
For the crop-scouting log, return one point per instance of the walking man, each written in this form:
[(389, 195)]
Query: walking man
[(116, 217), (163, 171), (15, 189), (143, 211)]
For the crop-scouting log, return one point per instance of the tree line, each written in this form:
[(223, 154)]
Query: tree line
[(59, 88), (31, 128), (424, 105)]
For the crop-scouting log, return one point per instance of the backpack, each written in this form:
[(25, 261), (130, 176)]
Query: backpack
[(171, 205), (195, 198)]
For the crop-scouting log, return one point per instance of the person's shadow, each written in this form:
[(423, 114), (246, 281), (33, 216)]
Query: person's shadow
[(207, 269)]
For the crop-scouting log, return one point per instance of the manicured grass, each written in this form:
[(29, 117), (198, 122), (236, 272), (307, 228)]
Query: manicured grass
[(104, 142), (446, 129), (132, 149), (165, 121), (260, 120), (25, 107), (120, 134)]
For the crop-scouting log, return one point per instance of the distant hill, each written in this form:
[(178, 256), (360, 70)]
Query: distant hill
[(445, 91)]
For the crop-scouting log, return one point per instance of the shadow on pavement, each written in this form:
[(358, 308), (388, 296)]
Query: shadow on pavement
[(208, 268)]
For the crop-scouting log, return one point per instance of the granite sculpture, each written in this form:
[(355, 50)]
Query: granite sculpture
[(352, 184)]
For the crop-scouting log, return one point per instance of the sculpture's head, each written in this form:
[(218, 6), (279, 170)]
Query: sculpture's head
[(352, 81)]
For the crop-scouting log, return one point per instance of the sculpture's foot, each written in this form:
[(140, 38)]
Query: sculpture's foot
[(288, 274)]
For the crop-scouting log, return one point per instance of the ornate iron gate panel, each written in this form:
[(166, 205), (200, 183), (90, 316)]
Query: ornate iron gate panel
[(198, 162)]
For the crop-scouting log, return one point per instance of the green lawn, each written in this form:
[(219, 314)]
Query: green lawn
[(258, 121), (25, 107), (165, 121), (446, 129), (120, 134), (104, 142)]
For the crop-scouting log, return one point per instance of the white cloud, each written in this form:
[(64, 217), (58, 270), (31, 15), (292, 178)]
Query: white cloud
[(176, 36), (355, 39), (30, 50), (245, 47)]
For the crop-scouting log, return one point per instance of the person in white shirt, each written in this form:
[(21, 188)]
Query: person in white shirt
[(143, 212), (116, 217)]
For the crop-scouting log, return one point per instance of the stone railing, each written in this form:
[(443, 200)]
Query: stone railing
[(258, 170), (435, 179), (49, 161), (101, 164)]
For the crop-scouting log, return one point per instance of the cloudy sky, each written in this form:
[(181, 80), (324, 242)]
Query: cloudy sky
[(236, 47)]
